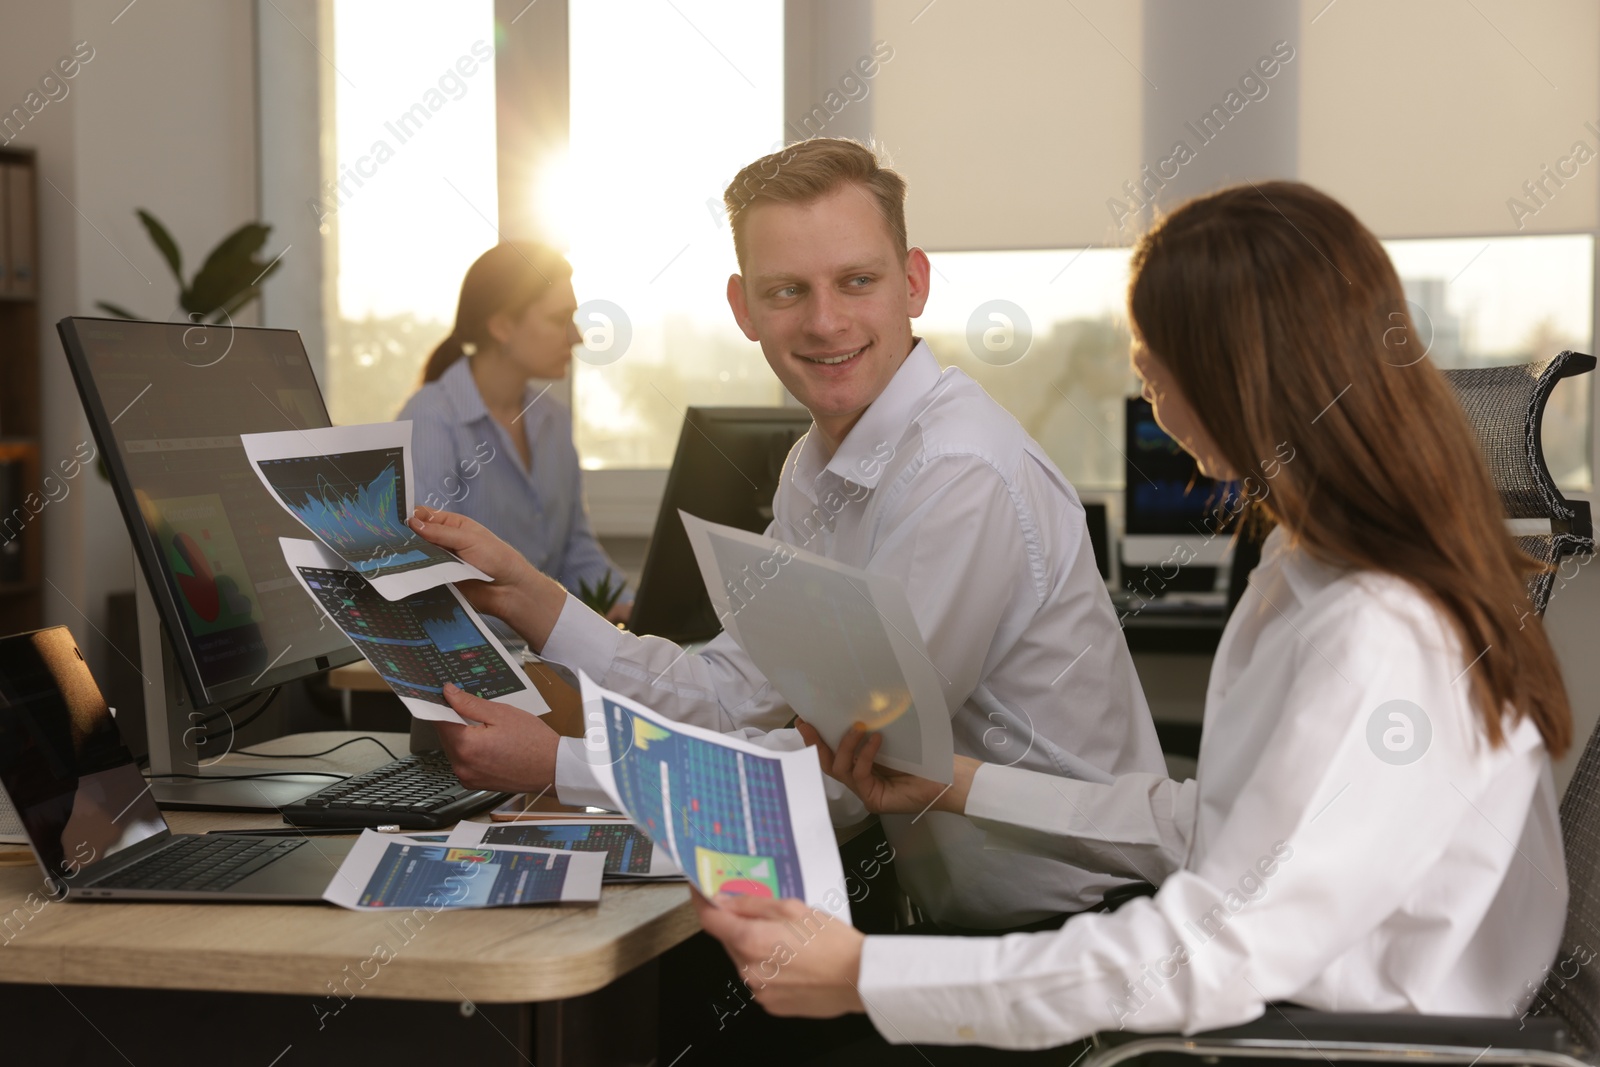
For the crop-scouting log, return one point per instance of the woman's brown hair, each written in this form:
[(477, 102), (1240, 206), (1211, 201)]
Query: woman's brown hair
[(507, 278), (1282, 320)]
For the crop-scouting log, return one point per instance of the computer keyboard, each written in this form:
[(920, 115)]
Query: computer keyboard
[(415, 792), (199, 863)]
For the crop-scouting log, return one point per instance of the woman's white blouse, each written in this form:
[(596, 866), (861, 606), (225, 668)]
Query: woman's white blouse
[(1351, 843)]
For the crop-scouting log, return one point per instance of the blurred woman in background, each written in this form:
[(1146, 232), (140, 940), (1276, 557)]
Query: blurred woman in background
[(487, 439)]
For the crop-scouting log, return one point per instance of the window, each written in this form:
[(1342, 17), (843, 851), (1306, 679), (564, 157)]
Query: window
[(1045, 332), (414, 201), (668, 102), (1485, 302)]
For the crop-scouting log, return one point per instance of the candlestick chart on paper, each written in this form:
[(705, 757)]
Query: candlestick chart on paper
[(355, 502), (723, 813), (417, 643)]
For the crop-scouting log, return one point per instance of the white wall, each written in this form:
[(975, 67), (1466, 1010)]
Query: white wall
[(162, 117)]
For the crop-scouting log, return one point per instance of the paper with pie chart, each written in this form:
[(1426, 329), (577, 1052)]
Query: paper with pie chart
[(735, 817), (352, 487), (839, 643)]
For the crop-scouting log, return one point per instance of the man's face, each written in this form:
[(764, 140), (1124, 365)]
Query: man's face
[(826, 293)]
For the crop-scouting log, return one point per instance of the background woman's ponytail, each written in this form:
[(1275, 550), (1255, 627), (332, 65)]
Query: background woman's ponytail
[(507, 278)]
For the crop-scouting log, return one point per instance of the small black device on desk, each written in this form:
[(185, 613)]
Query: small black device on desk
[(415, 792)]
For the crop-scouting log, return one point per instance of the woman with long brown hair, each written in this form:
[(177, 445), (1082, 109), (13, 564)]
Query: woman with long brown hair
[(1373, 824), (486, 439)]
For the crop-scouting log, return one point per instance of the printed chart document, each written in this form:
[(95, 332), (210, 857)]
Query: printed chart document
[(352, 487), (387, 871), (735, 817), (418, 643), (629, 853), (839, 643)]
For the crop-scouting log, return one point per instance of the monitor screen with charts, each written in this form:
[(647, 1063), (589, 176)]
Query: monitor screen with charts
[(167, 403)]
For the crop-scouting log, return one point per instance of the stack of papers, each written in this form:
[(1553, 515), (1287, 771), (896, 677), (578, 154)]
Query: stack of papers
[(386, 588)]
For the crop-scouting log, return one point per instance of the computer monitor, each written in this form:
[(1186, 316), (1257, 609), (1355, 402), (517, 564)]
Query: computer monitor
[(167, 403), (1164, 491), (726, 470)]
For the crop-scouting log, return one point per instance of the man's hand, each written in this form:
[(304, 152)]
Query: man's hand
[(880, 789), (620, 613), (509, 750), (526, 599), (796, 959)]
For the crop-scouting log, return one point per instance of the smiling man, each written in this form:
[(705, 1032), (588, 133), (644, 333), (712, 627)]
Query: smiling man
[(912, 472)]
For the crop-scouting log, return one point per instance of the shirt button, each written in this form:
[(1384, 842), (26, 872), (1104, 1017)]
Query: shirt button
[(966, 1032)]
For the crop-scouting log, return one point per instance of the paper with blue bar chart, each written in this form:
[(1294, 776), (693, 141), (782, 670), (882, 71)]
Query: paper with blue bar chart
[(383, 872), (352, 487), (416, 643), (734, 816)]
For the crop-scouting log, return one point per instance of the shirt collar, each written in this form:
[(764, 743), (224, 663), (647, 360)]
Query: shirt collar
[(859, 457), (466, 401), (1305, 574)]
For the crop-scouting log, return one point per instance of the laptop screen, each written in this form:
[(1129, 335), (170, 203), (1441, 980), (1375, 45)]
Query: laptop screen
[(74, 784)]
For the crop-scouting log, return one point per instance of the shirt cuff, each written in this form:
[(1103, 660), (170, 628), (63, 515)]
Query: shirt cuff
[(575, 780), (906, 987), (582, 641)]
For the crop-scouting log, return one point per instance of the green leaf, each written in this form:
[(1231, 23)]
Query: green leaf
[(230, 269), (164, 243), (602, 596), (114, 311), (228, 311)]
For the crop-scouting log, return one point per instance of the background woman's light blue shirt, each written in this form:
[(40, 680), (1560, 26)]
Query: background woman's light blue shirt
[(464, 461)]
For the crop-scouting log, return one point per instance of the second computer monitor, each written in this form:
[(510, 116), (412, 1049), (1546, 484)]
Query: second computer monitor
[(1164, 491), (726, 470)]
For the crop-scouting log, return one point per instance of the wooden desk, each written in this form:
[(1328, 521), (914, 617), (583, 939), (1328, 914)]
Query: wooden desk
[(546, 954), (499, 955)]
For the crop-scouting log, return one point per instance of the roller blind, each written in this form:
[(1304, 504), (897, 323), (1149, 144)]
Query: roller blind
[(1012, 122), (1428, 117)]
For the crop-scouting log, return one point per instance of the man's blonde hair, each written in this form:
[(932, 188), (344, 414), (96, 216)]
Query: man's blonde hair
[(811, 169)]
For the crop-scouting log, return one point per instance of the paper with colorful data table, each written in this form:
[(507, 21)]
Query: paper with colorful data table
[(735, 817), (383, 872)]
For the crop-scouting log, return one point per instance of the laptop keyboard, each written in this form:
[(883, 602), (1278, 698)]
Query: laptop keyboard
[(200, 863)]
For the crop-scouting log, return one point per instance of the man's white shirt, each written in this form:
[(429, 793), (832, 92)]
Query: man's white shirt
[(1351, 843), (940, 488)]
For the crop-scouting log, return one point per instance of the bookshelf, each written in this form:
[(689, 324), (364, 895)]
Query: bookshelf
[(22, 498)]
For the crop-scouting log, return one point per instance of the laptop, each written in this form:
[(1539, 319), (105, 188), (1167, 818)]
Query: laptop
[(87, 810)]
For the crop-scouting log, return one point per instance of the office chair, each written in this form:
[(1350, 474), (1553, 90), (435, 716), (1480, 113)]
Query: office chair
[(1562, 1028), (1506, 408)]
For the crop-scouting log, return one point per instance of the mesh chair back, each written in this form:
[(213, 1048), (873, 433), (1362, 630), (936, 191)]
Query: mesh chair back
[(1505, 406), (1571, 988)]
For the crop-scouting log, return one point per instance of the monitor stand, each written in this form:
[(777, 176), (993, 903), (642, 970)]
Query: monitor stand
[(169, 727)]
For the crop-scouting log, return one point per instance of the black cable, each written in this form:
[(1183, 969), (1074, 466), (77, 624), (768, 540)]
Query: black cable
[(229, 710), (233, 727), (239, 777), (313, 755)]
